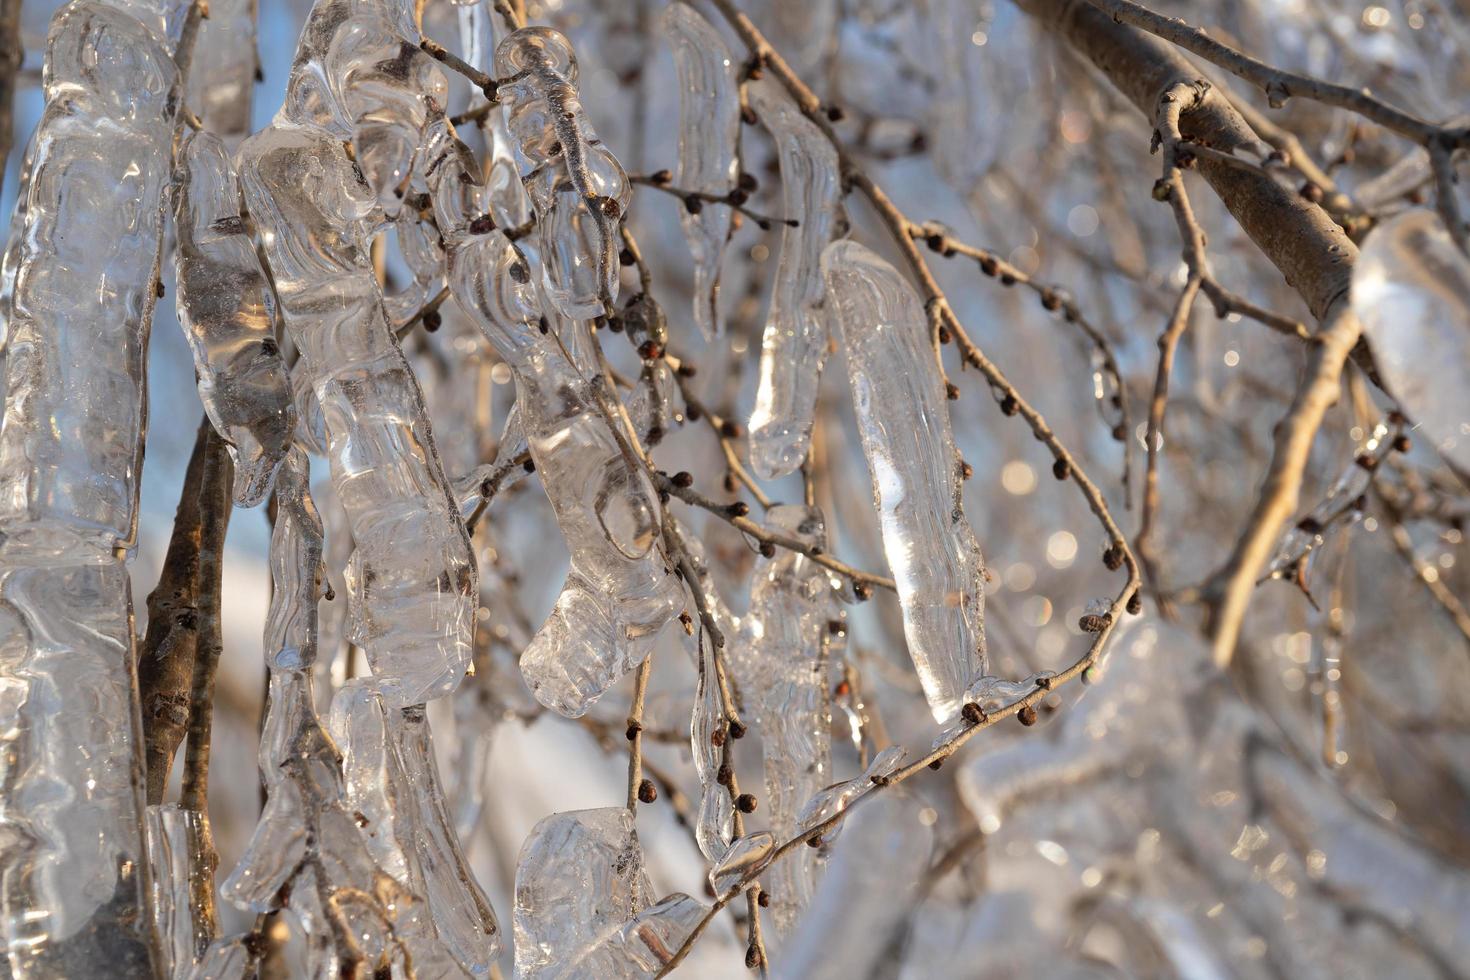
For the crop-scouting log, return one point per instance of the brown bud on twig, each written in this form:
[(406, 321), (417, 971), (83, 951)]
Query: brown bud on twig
[(1027, 716), (745, 803), (647, 792)]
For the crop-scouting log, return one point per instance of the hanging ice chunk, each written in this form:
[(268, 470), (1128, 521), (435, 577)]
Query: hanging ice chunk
[(227, 310), (618, 594), (222, 91), (176, 853), (1411, 290), (393, 789), (839, 796), (795, 341), (784, 678), (509, 204), (708, 733), (71, 816), (412, 581), (71, 447), (709, 146), (864, 894), (903, 420), (576, 185), (585, 907), (306, 844)]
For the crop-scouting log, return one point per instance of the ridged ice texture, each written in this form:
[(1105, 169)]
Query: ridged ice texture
[(864, 895), (228, 313), (903, 420), (176, 840), (1411, 290), (784, 679), (71, 447), (709, 147), (795, 341), (585, 906), (222, 91), (412, 578), (618, 593), (306, 836), (577, 187), (394, 792), (71, 831), (14, 241)]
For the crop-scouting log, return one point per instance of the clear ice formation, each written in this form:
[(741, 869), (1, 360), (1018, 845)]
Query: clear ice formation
[(1327, 518), (176, 852), (227, 311), (745, 857), (618, 593), (577, 187), (864, 895), (784, 678), (72, 854), (307, 853), (1411, 290), (393, 790), (223, 95), (412, 578), (795, 341), (585, 906), (709, 147), (839, 796), (903, 420)]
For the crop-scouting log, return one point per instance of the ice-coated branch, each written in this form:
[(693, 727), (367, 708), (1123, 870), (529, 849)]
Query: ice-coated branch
[(903, 421), (412, 578), (618, 593), (227, 311), (709, 147), (577, 186), (794, 345), (585, 906)]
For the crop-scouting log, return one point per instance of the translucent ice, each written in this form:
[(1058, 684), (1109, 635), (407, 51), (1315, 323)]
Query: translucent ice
[(222, 91), (784, 679), (903, 420), (618, 594), (577, 186), (412, 578), (585, 907), (709, 145), (227, 310), (795, 341), (1411, 290), (176, 852), (745, 856), (839, 796)]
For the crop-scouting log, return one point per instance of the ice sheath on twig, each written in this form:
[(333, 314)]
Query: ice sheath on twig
[(618, 593), (71, 816), (903, 420), (227, 310), (709, 146), (795, 341), (577, 187), (585, 906), (784, 677), (412, 578)]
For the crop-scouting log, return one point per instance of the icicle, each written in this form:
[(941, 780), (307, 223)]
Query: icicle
[(14, 241), (222, 91), (1411, 290), (864, 894), (618, 594), (795, 341), (839, 796), (227, 310), (71, 816), (784, 677), (585, 906), (306, 839), (176, 852), (405, 824), (412, 580), (904, 423), (708, 733), (709, 146), (576, 185)]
